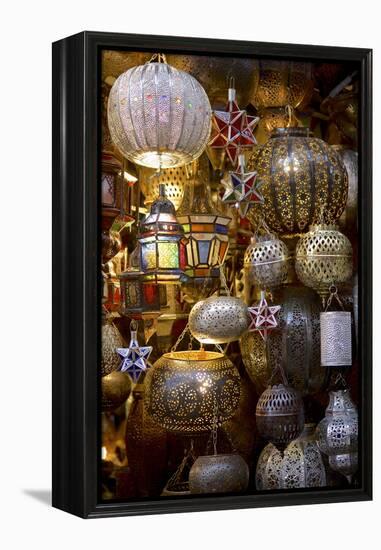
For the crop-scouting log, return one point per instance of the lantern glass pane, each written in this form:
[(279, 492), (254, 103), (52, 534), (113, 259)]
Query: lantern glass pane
[(168, 254), (149, 255)]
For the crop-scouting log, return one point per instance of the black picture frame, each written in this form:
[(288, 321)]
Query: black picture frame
[(76, 290)]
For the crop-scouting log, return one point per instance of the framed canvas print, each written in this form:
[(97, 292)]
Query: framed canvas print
[(212, 274)]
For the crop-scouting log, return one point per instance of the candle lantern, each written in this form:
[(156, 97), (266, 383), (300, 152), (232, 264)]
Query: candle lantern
[(207, 232), (159, 116), (300, 176), (184, 389), (162, 243)]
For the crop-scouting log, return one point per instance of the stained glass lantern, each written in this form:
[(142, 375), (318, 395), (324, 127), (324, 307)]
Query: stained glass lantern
[(207, 232), (185, 388), (162, 243), (116, 190), (300, 177), (301, 465), (159, 116)]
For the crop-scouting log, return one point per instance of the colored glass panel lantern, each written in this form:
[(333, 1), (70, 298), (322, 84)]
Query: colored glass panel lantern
[(162, 243)]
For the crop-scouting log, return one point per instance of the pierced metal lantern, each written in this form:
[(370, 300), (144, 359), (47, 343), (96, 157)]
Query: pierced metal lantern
[(300, 177), (254, 358), (272, 118), (220, 473), (296, 344), (185, 388), (283, 83), (218, 320), (115, 389), (162, 243), (207, 232), (337, 433), (111, 339), (300, 466), (174, 179), (280, 415), (323, 257), (348, 219), (336, 338), (159, 116), (266, 262)]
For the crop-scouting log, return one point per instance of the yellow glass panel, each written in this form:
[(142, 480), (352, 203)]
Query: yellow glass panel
[(168, 255)]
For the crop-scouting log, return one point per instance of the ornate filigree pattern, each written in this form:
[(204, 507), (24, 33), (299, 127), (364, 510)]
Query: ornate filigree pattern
[(184, 388), (111, 339), (225, 473), (266, 262), (300, 176)]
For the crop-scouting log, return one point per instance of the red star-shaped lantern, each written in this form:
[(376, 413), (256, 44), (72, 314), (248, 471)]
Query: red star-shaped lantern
[(232, 129), (241, 188), (262, 317)]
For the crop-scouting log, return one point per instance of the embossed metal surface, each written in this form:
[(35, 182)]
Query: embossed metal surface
[(336, 338), (266, 261), (224, 473)]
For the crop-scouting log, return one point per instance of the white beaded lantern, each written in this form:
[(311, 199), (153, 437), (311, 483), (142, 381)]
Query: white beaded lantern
[(159, 116)]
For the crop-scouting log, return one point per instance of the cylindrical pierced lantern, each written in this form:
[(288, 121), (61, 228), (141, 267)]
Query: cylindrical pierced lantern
[(280, 415), (300, 176), (184, 389), (218, 320), (283, 83), (159, 116), (266, 262), (337, 433), (336, 338), (224, 473), (323, 257), (162, 243), (301, 465)]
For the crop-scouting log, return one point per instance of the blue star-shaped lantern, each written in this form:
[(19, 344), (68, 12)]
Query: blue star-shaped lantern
[(135, 357)]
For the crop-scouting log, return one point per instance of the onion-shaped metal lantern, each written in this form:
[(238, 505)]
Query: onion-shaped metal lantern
[(323, 257), (266, 262), (283, 83), (207, 232), (111, 339), (116, 388), (300, 466), (184, 389), (280, 415), (162, 243), (218, 320), (219, 473), (300, 176), (159, 116), (337, 433)]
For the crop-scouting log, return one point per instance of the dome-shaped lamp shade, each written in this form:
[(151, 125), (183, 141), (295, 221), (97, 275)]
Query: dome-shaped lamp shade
[(159, 116)]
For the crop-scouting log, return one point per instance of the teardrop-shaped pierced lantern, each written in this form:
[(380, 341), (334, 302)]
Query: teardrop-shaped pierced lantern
[(280, 415), (111, 339), (159, 116), (323, 257)]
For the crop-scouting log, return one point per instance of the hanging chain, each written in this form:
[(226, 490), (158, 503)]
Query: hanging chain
[(159, 57), (223, 278), (181, 337), (333, 294)]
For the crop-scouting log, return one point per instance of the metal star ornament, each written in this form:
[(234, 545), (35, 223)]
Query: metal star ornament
[(241, 188), (232, 129), (262, 317), (135, 357)]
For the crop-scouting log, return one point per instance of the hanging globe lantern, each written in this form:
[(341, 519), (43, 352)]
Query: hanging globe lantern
[(280, 415), (184, 389), (254, 358), (218, 320), (162, 243), (220, 473), (116, 388), (266, 261), (283, 83), (111, 339), (174, 179), (301, 465), (159, 116), (207, 232), (323, 257), (272, 118), (300, 176), (337, 433), (348, 219)]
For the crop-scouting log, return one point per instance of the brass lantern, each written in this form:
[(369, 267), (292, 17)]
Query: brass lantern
[(301, 176), (207, 232), (266, 261), (162, 243), (219, 473), (159, 116), (111, 339), (185, 389), (283, 83), (323, 257)]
